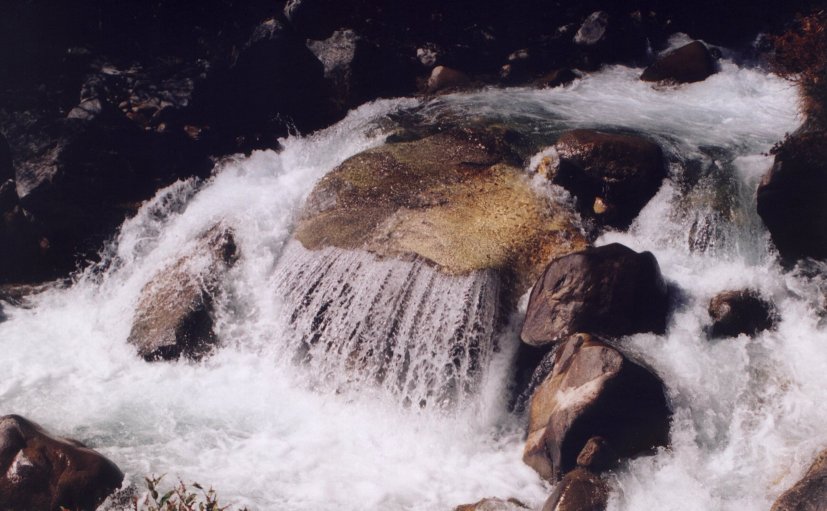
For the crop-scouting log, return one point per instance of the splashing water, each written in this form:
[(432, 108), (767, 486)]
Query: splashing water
[(269, 433)]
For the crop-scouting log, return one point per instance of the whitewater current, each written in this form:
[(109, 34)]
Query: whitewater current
[(268, 434)]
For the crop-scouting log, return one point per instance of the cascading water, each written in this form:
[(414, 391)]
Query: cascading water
[(273, 434)]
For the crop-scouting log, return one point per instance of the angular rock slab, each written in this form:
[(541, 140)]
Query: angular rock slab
[(808, 494), (174, 312), (39, 472), (593, 390), (612, 175), (610, 291)]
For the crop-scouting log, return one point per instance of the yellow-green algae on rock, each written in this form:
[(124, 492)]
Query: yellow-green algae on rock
[(454, 198)]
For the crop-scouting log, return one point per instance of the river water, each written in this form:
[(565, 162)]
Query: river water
[(272, 435)]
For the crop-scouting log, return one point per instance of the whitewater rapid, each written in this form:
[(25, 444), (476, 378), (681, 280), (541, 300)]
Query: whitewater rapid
[(264, 433)]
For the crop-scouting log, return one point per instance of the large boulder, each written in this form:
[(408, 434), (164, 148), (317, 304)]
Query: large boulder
[(808, 494), (39, 472), (610, 291), (580, 490), (173, 317), (791, 197), (445, 79), (612, 175), (594, 391), (409, 257), (6, 166), (689, 63), (740, 312)]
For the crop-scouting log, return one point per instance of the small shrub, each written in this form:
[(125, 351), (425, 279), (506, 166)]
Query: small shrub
[(181, 497), (800, 54)]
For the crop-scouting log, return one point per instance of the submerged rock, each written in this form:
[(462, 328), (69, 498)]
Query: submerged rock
[(792, 195), (689, 63), (580, 490), (39, 472), (808, 494), (493, 504), (610, 291), (409, 257), (594, 391), (173, 317), (739, 312), (612, 176)]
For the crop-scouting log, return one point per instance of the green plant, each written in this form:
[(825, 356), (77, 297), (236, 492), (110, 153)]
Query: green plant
[(181, 497)]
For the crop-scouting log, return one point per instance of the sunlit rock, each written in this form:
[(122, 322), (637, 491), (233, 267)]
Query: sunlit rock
[(445, 78), (740, 312), (612, 175), (610, 291), (39, 472), (809, 493), (593, 391), (690, 63), (173, 317)]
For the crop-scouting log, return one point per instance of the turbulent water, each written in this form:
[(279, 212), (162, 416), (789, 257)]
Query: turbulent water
[(275, 435)]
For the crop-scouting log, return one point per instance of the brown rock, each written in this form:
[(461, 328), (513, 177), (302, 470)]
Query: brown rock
[(610, 291), (593, 390), (808, 494), (739, 312), (444, 78), (580, 490), (597, 455), (621, 171), (174, 312), (39, 472), (557, 77), (687, 64)]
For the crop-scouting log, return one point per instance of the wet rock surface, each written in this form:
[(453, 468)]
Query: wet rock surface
[(594, 391), (611, 291), (809, 493), (493, 504), (740, 312), (45, 473), (579, 490), (612, 175), (791, 195), (689, 63), (173, 317)]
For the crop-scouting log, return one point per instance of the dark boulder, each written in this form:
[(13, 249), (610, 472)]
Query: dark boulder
[(557, 77), (597, 455), (580, 490), (25, 252), (173, 317), (593, 30), (594, 391), (44, 473), (274, 83), (740, 312), (612, 175), (792, 195), (690, 63), (610, 291), (808, 494), (606, 37), (6, 166), (317, 19), (444, 79)]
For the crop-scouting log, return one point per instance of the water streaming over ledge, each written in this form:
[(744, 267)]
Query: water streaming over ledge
[(275, 435)]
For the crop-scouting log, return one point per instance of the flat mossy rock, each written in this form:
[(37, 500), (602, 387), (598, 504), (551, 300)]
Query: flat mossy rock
[(456, 199)]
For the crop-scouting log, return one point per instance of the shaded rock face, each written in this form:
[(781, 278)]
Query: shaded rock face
[(611, 291), (687, 64), (445, 79), (739, 312), (791, 197), (808, 494), (580, 490), (493, 504), (44, 473), (173, 317), (593, 391), (612, 176), (6, 167)]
